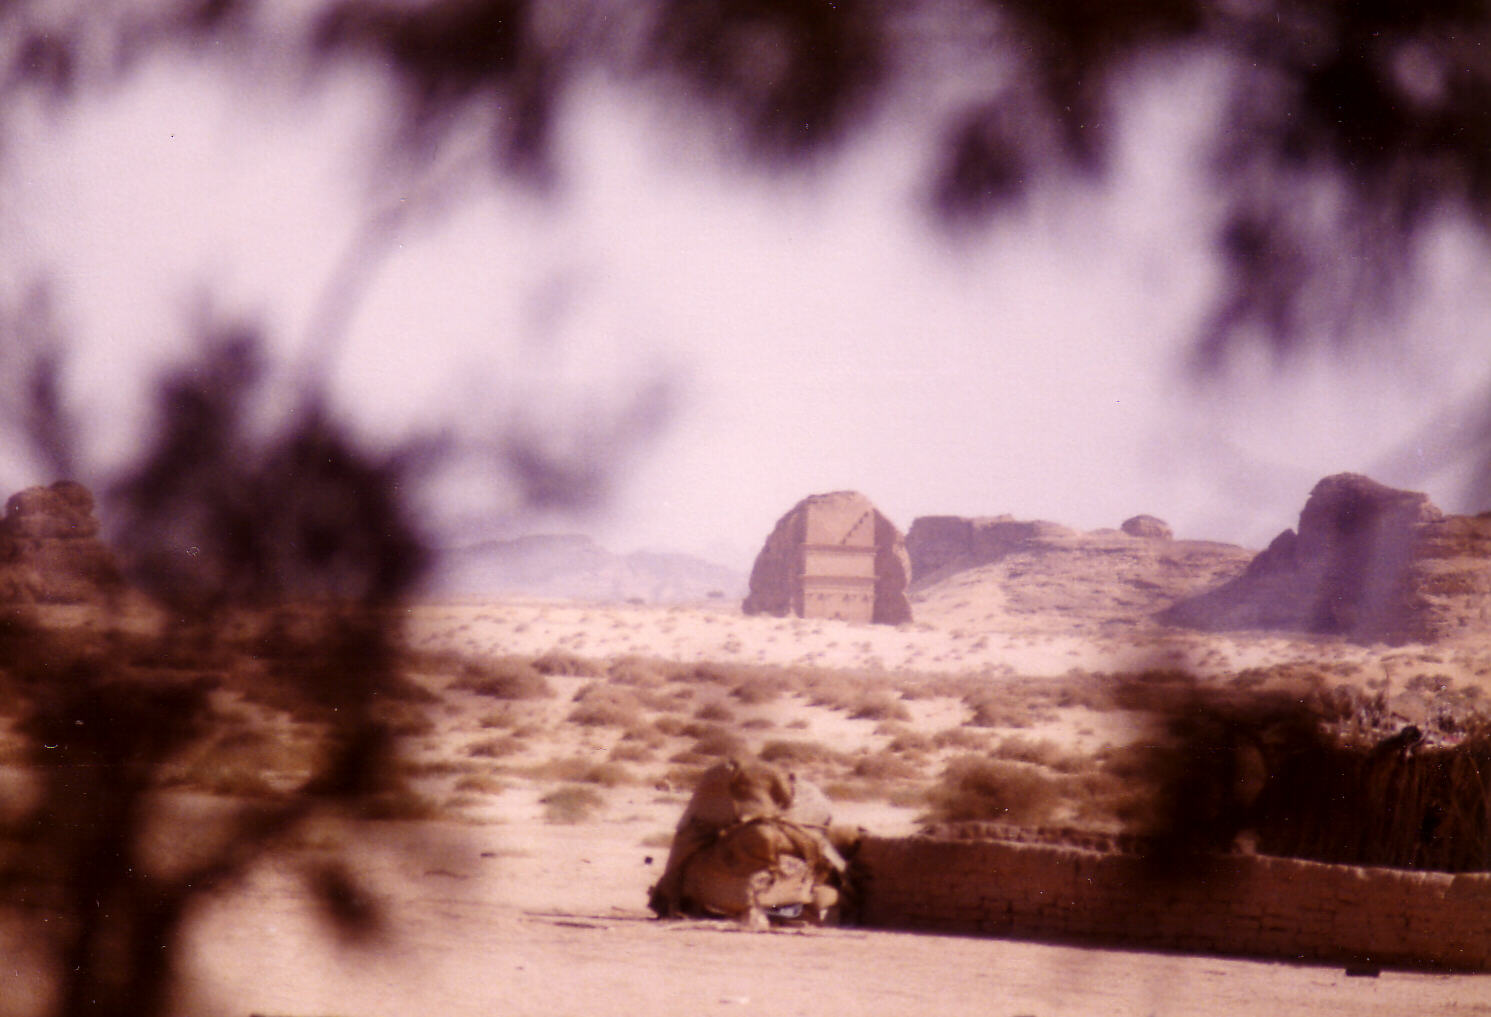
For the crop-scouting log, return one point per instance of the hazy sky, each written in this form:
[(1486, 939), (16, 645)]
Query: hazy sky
[(817, 333)]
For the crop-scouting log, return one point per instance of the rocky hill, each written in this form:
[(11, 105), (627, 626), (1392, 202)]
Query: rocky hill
[(50, 550), (576, 567), (1041, 576), (1370, 562)]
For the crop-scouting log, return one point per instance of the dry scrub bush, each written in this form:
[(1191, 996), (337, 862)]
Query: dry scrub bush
[(562, 662), (711, 744), (885, 765), (241, 763), (570, 804), (481, 783), (960, 738), (599, 705), (1040, 752), (715, 710), (400, 803), (503, 678), (631, 752), (993, 709), (496, 748), (758, 724), (799, 753), (978, 788), (578, 770), (637, 672), (879, 706)]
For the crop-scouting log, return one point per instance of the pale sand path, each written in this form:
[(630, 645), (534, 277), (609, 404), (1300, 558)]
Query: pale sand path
[(547, 933)]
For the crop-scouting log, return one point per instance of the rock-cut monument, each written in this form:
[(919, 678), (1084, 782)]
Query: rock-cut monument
[(833, 556)]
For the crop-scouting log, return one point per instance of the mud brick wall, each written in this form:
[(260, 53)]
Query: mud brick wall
[(1233, 904)]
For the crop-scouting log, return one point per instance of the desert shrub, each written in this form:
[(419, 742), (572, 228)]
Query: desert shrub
[(570, 804), (879, 706), (562, 662), (495, 748), (1039, 752), (506, 717), (399, 803), (992, 709), (672, 727), (600, 705), (481, 783), (796, 753), (758, 724), (715, 710), (503, 678), (909, 742), (644, 734), (637, 672), (853, 791), (762, 687), (402, 719), (884, 766), (712, 743), (607, 774), (660, 840), (714, 673), (960, 738), (833, 690), (632, 752), (978, 788)]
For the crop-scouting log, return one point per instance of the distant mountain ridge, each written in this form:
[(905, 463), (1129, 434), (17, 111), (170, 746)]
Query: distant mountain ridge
[(575, 567)]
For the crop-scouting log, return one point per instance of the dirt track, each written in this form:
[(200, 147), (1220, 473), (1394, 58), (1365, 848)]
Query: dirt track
[(471, 935)]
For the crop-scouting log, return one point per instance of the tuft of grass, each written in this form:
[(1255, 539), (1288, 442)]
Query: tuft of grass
[(571, 804), (563, 662), (503, 678), (790, 752), (711, 743), (496, 748), (879, 706), (1040, 752), (884, 766), (481, 783), (601, 705), (715, 710), (979, 788)]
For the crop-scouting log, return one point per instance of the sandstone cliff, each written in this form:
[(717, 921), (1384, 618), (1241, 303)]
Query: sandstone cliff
[(1046, 577), (1369, 562), (832, 556), (50, 551)]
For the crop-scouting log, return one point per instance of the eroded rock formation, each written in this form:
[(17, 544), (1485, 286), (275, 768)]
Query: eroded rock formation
[(50, 551), (833, 556), (1149, 527), (1050, 577), (1369, 562)]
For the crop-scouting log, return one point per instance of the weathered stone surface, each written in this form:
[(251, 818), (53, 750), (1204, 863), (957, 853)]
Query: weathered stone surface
[(939, 545), (49, 547), (833, 556), (1369, 562), (1149, 527), (1048, 576)]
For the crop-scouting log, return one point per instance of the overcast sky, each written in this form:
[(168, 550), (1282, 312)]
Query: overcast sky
[(816, 332)]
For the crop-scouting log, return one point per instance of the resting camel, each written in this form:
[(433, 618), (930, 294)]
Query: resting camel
[(752, 840)]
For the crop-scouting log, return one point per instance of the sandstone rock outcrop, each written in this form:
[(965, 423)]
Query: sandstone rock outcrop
[(941, 544), (833, 556), (1369, 562), (1043, 576), (50, 551), (1149, 527)]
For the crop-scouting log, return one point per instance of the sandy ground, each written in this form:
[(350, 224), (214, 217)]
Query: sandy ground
[(499, 910), (546, 920)]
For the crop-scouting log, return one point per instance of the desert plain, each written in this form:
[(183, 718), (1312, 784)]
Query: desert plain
[(551, 753)]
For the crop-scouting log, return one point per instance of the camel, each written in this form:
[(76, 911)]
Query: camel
[(753, 841)]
